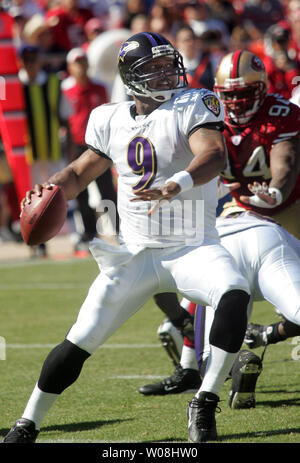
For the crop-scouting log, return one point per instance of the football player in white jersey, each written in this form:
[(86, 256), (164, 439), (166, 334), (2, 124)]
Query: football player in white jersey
[(269, 257), (168, 149)]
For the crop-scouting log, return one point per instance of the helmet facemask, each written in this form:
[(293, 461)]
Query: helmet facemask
[(138, 81), (241, 83), (241, 101)]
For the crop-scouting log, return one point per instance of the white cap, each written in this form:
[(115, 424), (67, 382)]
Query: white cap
[(75, 54), (34, 26)]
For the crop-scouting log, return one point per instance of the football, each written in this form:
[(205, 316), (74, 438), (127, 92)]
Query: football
[(43, 218)]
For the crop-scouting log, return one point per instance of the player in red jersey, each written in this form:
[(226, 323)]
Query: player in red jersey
[(262, 136)]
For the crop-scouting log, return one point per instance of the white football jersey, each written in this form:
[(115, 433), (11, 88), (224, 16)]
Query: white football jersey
[(146, 151)]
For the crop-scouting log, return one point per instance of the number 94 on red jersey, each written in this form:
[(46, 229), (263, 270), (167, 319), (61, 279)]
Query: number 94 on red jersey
[(276, 121)]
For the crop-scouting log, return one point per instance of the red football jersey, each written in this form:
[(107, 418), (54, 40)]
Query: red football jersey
[(249, 151), (82, 98)]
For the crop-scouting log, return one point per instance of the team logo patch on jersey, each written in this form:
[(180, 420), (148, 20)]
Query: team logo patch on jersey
[(212, 103), (126, 47), (236, 139)]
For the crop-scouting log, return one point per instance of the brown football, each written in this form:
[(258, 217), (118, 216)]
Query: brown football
[(43, 218)]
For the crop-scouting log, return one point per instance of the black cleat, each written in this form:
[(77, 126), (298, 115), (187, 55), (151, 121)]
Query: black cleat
[(23, 432), (182, 380), (256, 335), (201, 415), (171, 339), (245, 372)]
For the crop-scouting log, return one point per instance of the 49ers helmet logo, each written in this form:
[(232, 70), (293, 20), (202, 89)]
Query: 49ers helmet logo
[(257, 64)]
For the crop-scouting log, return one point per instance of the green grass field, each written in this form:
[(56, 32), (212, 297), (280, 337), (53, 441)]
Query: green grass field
[(40, 301)]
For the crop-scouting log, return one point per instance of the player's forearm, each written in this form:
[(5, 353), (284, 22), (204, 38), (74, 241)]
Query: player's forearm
[(205, 167), (284, 180), (284, 167), (69, 181), (78, 174), (209, 149)]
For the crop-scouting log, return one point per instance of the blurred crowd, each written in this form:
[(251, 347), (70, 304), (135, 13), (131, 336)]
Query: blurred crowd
[(77, 41)]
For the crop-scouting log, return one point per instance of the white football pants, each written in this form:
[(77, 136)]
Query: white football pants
[(126, 282), (269, 258)]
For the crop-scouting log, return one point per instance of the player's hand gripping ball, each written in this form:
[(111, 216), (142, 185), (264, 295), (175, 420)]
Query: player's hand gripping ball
[(44, 216)]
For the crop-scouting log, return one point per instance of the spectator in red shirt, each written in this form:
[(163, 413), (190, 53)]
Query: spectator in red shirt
[(84, 94), (281, 69), (68, 21)]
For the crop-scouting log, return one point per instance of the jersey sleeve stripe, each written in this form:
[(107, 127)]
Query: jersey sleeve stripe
[(288, 134), (285, 137), (209, 125), (98, 152)]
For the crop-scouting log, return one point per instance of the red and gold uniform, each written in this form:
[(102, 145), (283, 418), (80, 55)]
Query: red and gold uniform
[(255, 123), (249, 150)]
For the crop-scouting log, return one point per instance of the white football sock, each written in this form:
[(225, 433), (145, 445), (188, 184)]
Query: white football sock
[(218, 368), (38, 405), (188, 358)]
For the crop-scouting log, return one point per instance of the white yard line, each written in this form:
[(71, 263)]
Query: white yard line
[(35, 262), (42, 286), (136, 377), (105, 346)]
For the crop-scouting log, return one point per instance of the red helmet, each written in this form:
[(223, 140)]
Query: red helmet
[(241, 84)]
